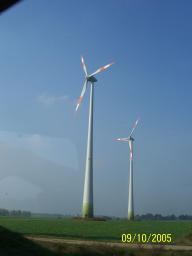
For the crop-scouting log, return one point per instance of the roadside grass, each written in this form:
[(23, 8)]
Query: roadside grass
[(187, 239), (12, 243), (90, 250)]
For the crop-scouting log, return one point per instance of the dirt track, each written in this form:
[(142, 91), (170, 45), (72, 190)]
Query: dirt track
[(125, 245)]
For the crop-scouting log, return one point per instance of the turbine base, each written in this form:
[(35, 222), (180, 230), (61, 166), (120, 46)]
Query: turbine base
[(87, 211), (130, 216)]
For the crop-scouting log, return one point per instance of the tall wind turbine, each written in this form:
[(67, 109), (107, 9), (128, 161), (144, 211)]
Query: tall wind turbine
[(87, 209), (130, 186)]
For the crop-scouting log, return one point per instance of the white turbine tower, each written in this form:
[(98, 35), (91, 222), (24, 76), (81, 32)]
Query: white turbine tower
[(130, 186), (87, 209)]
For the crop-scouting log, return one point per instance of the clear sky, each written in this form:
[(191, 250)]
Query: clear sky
[(42, 143)]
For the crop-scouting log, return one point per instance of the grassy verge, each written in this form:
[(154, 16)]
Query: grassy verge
[(82, 250), (12, 243)]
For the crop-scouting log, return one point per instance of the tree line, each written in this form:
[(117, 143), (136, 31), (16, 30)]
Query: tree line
[(150, 216), (19, 213), (145, 217)]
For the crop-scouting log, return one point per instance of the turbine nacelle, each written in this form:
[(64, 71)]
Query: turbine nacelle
[(130, 138), (91, 79)]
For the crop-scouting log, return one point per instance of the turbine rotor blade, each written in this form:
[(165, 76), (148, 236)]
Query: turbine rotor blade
[(82, 94), (101, 69), (135, 125), (123, 139), (131, 150), (84, 66)]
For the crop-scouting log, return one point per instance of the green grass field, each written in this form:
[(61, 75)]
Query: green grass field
[(94, 230), (12, 243)]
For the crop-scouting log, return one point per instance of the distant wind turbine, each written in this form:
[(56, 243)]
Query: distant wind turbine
[(87, 209), (130, 186)]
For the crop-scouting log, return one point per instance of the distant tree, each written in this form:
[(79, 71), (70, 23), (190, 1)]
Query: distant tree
[(26, 214), (157, 217), (20, 213), (138, 217), (148, 216), (4, 212), (13, 213), (185, 217)]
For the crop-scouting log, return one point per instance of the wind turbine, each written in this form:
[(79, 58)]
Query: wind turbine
[(130, 186), (87, 209)]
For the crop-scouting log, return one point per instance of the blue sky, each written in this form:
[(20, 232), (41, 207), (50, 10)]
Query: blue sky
[(43, 144)]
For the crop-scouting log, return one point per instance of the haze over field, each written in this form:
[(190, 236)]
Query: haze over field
[(42, 142)]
